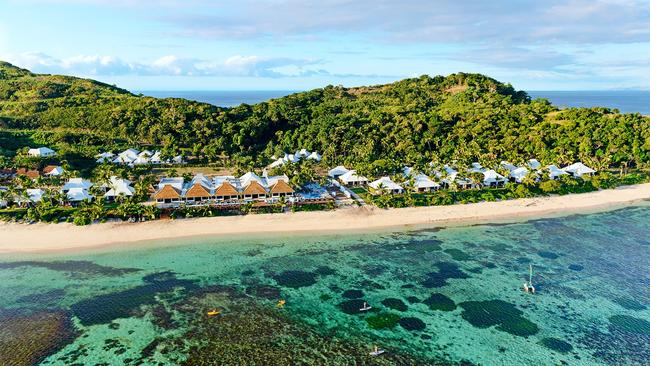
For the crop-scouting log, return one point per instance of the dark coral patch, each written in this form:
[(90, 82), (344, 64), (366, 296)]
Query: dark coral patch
[(412, 323), (352, 306), (122, 304), (383, 320), (353, 294), (630, 304), (548, 255), (395, 304), (505, 316), (556, 345), (440, 302), (424, 246), (630, 324), (264, 292), (295, 279), (413, 299), (446, 270), (72, 267), (576, 267), (457, 254), (324, 271)]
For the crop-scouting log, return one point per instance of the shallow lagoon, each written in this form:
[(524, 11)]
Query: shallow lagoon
[(439, 296)]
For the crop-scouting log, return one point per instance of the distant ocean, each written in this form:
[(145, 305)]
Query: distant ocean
[(625, 101)]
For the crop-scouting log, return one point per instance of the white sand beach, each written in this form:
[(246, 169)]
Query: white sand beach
[(36, 238)]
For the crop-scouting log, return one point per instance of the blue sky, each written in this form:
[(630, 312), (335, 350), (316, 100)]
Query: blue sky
[(303, 44)]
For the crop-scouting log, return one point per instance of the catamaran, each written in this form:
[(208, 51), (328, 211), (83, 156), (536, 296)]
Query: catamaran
[(528, 286), (377, 351)]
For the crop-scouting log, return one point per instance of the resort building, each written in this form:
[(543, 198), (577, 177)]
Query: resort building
[(104, 157), (302, 154), (41, 152), (476, 168), (386, 185), (226, 192), (506, 165), (76, 190), (422, 183), (578, 170), (76, 195), (281, 189), (351, 178), (337, 171), (168, 195), (29, 173), (554, 172), (53, 170), (33, 196), (518, 174), (493, 179), (118, 187), (534, 164)]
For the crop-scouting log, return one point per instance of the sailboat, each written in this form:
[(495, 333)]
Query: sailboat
[(377, 351), (365, 307), (528, 286)]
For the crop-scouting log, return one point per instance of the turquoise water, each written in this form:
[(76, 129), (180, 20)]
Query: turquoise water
[(438, 296)]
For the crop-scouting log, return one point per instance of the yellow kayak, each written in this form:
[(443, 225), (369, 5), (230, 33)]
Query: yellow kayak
[(214, 312), (281, 304)]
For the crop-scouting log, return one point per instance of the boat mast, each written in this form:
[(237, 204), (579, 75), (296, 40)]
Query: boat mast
[(530, 274)]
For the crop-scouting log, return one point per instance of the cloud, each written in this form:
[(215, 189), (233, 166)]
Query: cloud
[(518, 57), (444, 21), (257, 66)]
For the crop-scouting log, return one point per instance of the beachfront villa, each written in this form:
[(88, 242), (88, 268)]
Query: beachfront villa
[(41, 152), (132, 157), (118, 187), (53, 170), (222, 190), (534, 164), (422, 183), (337, 171), (34, 195), (385, 185), (518, 174), (578, 170), (76, 190), (554, 172), (493, 179), (294, 158), (351, 178)]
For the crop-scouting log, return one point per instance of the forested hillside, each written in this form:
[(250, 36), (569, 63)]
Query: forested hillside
[(461, 117)]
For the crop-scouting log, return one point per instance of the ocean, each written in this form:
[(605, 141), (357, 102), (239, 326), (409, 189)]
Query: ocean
[(624, 101), (438, 296)]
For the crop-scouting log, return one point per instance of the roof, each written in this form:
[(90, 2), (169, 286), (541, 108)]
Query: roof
[(519, 173), (73, 183), (422, 181), (386, 183), (197, 190), (78, 194), (176, 182), (53, 170), (339, 170), (352, 176), (534, 164), (35, 195), (248, 177), (281, 187), (554, 171), (315, 156), (578, 169), (41, 151), (33, 174), (119, 187), (492, 176), (167, 192), (226, 189), (507, 165), (254, 188)]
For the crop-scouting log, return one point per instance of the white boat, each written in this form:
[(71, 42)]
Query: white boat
[(528, 286), (365, 307), (377, 351)]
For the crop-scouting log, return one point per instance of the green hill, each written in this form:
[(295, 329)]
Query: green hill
[(460, 117)]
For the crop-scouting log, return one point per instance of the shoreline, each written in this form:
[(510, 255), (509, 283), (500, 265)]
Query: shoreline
[(17, 238)]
